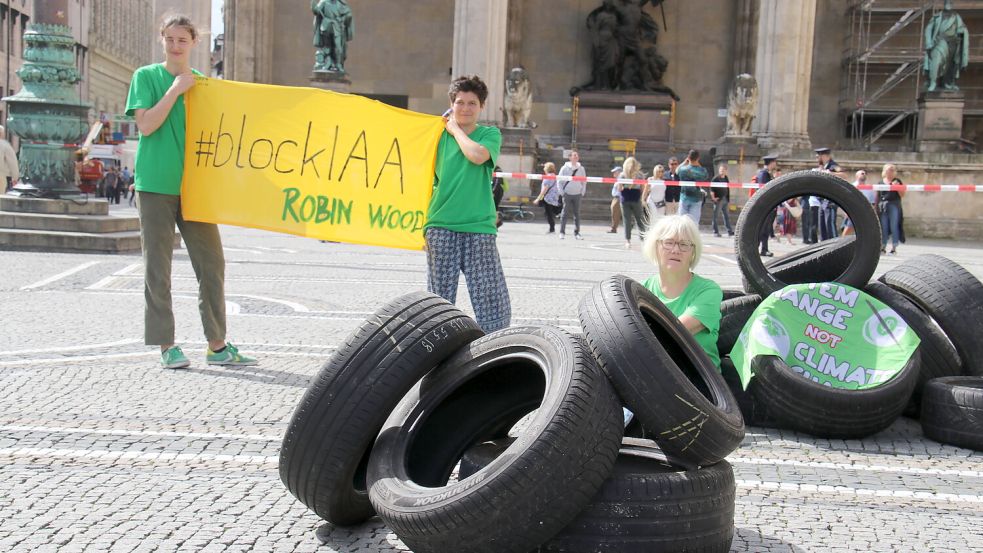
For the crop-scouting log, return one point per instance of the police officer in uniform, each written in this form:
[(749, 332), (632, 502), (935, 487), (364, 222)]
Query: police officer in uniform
[(827, 209), (764, 177)]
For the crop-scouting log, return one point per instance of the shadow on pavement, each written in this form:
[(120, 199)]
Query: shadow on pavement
[(260, 375)]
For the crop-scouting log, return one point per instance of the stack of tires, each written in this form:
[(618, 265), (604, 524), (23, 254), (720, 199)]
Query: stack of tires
[(514, 441), (939, 300)]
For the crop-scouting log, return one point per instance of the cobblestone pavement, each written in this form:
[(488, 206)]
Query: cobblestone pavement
[(100, 450)]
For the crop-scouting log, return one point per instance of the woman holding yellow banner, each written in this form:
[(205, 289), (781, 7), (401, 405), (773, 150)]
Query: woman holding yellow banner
[(460, 229), (156, 100)]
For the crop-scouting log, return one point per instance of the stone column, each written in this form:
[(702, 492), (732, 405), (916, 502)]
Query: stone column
[(248, 51), (480, 38), (745, 27), (783, 66)]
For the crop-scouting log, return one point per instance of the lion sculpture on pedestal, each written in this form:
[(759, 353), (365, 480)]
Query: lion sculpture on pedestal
[(741, 104), (518, 99)]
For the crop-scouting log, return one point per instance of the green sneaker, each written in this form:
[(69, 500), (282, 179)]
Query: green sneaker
[(174, 358), (229, 356)]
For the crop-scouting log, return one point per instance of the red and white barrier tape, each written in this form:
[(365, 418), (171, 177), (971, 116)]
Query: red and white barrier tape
[(749, 185)]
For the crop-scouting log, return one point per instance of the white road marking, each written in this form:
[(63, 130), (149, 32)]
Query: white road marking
[(60, 276), (104, 432), (107, 455), (262, 460), (72, 348), (232, 308), (125, 271), (76, 359), (855, 467), (292, 305), (721, 258), (813, 489)]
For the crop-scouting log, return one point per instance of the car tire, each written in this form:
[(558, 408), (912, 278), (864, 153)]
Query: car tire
[(939, 357), (821, 262), (800, 404), (547, 476), (949, 294), (328, 439), (952, 411), (734, 314), (645, 506), (661, 373), (804, 183)]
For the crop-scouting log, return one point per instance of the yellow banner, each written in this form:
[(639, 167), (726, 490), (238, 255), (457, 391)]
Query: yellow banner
[(308, 162)]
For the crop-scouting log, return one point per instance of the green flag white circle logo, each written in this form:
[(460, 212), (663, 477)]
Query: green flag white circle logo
[(770, 333), (884, 328)]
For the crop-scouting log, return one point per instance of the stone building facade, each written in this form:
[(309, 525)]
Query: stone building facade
[(14, 18), (803, 53), (119, 42)]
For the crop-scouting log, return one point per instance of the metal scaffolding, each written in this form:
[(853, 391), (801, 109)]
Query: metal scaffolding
[(885, 51)]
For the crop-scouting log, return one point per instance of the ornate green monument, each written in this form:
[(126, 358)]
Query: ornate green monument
[(42, 213), (46, 113)]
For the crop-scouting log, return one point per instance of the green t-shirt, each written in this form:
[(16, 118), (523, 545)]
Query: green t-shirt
[(160, 156), (462, 195), (701, 300)]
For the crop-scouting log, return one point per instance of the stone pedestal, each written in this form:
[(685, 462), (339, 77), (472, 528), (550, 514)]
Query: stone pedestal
[(331, 80), (31, 224), (940, 121), (644, 117), (518, 155)]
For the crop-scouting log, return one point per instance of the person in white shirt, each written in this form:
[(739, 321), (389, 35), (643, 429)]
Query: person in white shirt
[(8, 162), (573, 192), (654, 195), (615, 201)]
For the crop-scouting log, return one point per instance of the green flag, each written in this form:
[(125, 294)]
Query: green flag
[(831, 333)]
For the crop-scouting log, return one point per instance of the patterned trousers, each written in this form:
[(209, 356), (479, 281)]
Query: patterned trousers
[(451, 253)]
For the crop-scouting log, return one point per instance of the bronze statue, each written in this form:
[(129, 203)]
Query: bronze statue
[(333, 29), (623, 48), (946, 48)]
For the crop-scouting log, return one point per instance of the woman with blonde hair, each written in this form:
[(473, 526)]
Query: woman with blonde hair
[(654, 195), (674, 245), (549, 195), (631, 199), (889, 206)]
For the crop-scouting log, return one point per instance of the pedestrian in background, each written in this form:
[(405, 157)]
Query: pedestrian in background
[(827, 209), (572, 193), (549, 195), (9, 169), (764, 176), (112, 185), (654, 195), (156, 100), (720, 196), (672, 191), (615, 201), (889, 206), (460, 231), (631, 200), (691, 197), (871, 195)]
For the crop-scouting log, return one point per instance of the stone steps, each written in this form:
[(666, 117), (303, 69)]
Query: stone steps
[(68, 223), (34, 224), (67, 241)]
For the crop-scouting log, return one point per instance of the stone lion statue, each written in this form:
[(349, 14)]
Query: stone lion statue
[(741, 103), (518, 99)]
